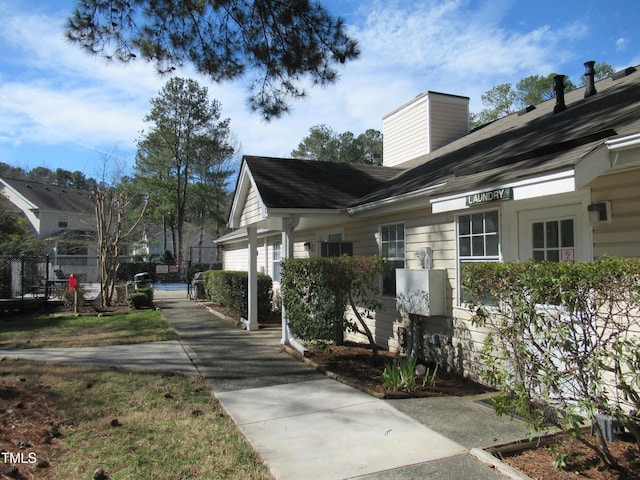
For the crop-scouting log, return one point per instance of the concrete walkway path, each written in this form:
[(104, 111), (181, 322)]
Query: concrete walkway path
[(168, 355), (305, 425)]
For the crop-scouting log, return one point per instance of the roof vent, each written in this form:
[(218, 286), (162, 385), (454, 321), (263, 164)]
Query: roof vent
[(525, 110), (589, 79), (559, 88), (623, 73)]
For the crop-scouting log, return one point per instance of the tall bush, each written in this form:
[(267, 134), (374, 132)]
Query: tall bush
[(230, 289), (317, 291), (565, 336)]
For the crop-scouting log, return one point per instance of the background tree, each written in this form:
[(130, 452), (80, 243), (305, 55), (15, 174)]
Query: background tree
[(187, 145), (59, 177), (17, 237), (113, 214), (284, 45), (504, 99), (9, 171), (324, 144)]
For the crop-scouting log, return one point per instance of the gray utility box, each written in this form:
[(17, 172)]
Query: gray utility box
[(420, 292)]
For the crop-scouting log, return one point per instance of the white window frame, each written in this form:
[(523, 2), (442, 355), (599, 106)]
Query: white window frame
[(393, 259), (460, 259), (276, 256)]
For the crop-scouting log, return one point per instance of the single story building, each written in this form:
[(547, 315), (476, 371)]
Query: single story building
[(558, 181)]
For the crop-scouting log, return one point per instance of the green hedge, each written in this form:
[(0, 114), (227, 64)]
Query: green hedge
[(563, 335), (229, 288), (141, 298), (316, 292)]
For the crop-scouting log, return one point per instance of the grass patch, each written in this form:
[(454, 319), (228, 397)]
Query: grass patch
[(46, 331), (168, 425)]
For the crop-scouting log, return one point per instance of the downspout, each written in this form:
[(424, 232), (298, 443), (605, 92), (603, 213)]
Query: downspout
[(288, 226)]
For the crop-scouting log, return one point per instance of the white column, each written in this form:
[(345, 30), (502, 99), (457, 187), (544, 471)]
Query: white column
[(286, 251), (288, 227), (252, 233)]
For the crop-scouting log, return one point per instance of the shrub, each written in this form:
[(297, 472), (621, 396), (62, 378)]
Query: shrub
[(317, 291), (142, 298), (69, 297), (562, 335), (230, 289)]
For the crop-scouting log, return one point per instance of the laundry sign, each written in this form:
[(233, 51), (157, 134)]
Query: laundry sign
[(497, 195)]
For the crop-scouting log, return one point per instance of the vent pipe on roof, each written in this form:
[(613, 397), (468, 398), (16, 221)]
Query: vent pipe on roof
[(559, 88), (589, 79)]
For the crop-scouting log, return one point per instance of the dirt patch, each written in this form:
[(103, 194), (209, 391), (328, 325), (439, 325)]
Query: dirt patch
[(29, 429), (354, 364), (580, 461)]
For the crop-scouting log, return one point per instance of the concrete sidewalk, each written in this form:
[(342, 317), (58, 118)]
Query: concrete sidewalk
[(164, 356), (305, 425)]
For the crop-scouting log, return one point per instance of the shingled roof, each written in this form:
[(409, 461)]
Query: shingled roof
[(306, 184), (524, 144), (52, 198)]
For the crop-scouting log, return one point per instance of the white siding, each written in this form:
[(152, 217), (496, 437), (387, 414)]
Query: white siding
[(234, 257), (252, 211), (406, 133), (620, 236), (449, 119)]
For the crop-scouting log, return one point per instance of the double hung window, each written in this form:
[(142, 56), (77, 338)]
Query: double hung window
[(392, 249)]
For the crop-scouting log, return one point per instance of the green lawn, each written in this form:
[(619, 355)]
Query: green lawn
[(47, 331), (132, 423)]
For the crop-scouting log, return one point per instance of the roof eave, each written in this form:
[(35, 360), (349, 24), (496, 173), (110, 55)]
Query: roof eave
[(390, 201)]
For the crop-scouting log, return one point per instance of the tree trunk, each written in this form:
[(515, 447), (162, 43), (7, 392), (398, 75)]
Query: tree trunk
[(365, 328)]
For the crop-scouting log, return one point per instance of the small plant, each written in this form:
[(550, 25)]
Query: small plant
[(429, 379), (321, 346), (400, 374), (559, 457), (69, 297), (391, 376)]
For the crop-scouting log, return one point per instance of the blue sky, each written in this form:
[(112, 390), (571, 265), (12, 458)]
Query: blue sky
[(60, 107)]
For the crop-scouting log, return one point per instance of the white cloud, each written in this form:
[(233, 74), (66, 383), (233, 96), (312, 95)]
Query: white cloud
[(53, 93), (621, 44)]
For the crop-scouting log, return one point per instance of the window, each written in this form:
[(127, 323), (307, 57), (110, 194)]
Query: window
[(478, 239), (72, 249), (336, 249), (553, 240), (275, 260), (63, 221), (72, 254), (392, 249)]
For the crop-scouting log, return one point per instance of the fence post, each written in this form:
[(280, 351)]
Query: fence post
[(22, 283)]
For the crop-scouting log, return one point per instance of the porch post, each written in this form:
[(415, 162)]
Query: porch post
[(288, 226), (252, 324), (285, 252)]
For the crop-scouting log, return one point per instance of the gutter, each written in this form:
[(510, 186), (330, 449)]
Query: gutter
[(393, 199)]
